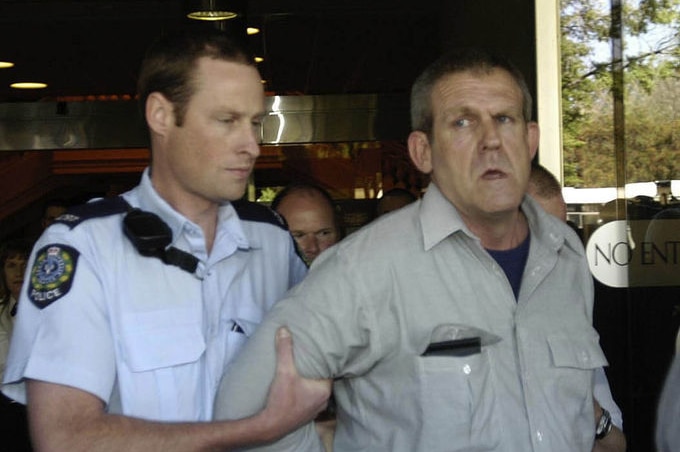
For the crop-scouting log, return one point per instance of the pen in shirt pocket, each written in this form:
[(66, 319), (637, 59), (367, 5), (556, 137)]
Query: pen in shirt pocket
[(458, 340)]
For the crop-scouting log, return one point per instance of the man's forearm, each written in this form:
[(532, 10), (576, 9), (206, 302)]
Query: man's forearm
[(115, 433)]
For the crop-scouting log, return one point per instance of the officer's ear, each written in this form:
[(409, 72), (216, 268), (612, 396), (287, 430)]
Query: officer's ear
[(159, 113)]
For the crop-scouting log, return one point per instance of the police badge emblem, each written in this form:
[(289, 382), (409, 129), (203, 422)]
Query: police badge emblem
[(52, 274)]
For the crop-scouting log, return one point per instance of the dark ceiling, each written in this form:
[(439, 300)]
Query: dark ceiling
[(94, 47)]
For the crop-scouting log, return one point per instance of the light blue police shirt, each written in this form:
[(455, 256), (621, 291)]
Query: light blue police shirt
[(149, 339)]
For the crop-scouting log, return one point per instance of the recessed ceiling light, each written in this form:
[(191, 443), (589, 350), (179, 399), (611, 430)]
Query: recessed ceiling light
[(6, 64), (258, 59), (252, 30), (28, 85), (210, 9)]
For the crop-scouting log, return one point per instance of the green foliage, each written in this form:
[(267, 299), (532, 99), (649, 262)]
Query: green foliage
[(652, 139)]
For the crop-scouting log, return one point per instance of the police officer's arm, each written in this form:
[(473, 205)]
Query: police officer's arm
[(64, 418)]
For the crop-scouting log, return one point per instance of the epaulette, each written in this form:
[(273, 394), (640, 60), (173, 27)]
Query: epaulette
[(252, 211), (96, 209)]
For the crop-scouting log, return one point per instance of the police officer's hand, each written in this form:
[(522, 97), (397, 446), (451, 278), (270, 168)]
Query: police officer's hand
[(292, 400)]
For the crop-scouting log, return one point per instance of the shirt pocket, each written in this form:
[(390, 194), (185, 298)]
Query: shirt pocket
[(574, 357), (239, 332), (161, 339), (458, 401)]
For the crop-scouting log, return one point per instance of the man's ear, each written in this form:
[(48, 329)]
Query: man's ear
[(420, 151), (534, 136), (159, 113)]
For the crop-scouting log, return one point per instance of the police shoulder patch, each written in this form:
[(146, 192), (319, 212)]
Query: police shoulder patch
[(52, 274), (252, 211)]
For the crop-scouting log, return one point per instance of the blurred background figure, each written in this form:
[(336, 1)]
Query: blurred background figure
[(315, 222), (13, 258), (394, 199), (53, 209), (313, 218), (546, 189)]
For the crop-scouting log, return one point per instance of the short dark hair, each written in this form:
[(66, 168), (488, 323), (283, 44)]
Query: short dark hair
[(456, 61), (299, 187), (170, 63), (544, 182)]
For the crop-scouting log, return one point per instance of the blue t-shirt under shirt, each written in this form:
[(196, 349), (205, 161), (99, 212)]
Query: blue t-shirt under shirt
[(513, 262)]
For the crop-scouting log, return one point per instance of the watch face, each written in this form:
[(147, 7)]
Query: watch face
[(604, 425)]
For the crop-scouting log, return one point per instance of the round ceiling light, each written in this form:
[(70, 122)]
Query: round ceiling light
[(211, 9), (212, 15), (28, 85)]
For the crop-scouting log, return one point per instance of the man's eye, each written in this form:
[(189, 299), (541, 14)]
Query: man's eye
[(462, 122), (503, 119)]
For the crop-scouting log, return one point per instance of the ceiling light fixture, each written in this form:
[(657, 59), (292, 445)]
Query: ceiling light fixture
[(6, 64), (28, 85), (252, 30), (258, 59), (210, 10)]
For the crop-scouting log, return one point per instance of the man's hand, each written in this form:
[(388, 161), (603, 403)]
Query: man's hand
[(293, 400)]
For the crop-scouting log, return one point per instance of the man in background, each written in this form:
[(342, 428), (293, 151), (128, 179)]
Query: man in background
[(312, 216)]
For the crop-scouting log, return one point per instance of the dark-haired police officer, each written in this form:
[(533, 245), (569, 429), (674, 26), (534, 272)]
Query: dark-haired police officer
[(134, 307)]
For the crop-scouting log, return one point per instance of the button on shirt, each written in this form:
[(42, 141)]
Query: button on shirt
[(371, 305), (150, 339)]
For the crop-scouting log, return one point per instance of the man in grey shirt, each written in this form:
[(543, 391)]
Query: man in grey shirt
[(461, 321)]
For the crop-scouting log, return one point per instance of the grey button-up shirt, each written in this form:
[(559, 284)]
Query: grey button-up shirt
[(371, 305)]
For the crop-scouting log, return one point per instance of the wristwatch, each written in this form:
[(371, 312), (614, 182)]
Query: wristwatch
[(604, 425)]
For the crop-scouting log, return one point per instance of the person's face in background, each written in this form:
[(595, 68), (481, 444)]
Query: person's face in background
[(13, 271), (311, 222)]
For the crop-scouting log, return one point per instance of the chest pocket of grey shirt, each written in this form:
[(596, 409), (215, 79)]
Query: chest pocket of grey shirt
[(457, 399), (576, 355)]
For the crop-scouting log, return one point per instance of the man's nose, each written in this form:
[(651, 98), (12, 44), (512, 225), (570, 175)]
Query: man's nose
[(310, 244), (490, 136), (251, 141)]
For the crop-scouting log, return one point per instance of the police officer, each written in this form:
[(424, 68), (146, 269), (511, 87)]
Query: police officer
[(134, 306)]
